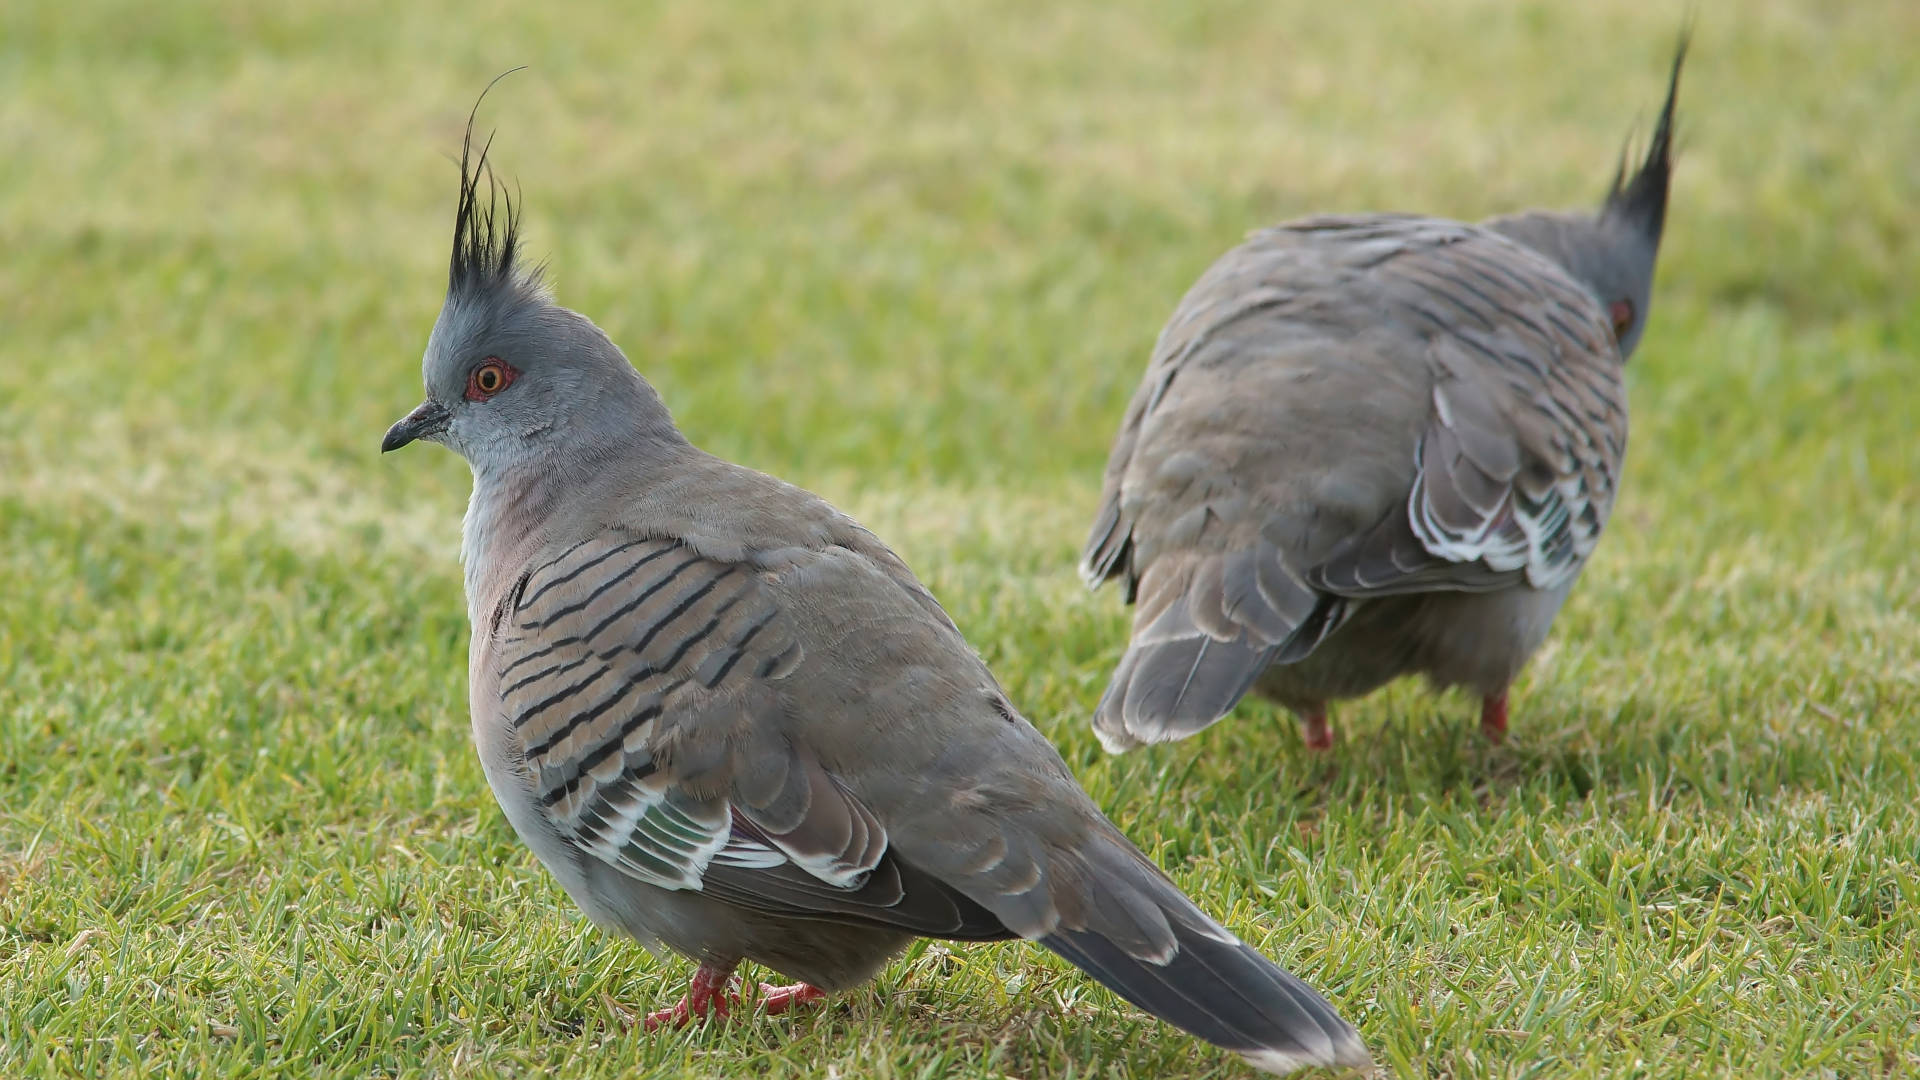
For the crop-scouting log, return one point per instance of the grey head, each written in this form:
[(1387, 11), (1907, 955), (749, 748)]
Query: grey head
[(513, 378), (1613, 251)]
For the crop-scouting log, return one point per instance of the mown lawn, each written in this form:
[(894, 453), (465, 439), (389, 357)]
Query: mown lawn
[(912, 255)]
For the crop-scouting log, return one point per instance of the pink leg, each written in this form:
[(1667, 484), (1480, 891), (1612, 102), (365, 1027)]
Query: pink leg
[(711, 992), (775, 1000), (1315, 729), (1493, 717)]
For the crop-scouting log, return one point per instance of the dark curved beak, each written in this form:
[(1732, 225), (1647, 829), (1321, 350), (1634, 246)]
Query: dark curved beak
[(424, 422)]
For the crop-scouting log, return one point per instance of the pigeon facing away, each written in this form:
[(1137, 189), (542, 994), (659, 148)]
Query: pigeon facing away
[(732, 723), (1373, 446)]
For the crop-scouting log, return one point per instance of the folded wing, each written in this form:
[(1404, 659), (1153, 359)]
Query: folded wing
[(640, 677)]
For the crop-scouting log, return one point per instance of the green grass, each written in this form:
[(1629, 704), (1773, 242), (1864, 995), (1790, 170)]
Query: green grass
[(913, 256)]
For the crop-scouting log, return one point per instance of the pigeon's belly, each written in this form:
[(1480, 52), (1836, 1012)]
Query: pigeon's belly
[(1476, 640), (1482, 640), (1359, 658), (829, 955)]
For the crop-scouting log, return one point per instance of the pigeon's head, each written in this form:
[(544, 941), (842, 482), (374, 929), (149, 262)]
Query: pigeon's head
[(1613, 251), (511, 376)]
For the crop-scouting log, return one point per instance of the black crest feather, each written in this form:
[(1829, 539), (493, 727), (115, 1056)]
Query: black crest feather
[(486, 238), (1642, 199)]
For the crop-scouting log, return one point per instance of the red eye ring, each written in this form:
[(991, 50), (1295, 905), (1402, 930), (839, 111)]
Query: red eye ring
[(1621, 311), (489, 379)]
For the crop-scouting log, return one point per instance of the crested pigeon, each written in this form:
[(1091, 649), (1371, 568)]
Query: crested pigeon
[(1370, 446), (734, 725)]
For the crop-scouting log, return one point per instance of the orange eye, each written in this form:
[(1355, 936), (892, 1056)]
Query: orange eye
[(489, 379), (1622, 313)]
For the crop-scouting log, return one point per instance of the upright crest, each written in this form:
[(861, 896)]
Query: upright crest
[(486, 239), (1642, 199)]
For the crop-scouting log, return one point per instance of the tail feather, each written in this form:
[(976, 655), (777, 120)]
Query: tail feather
[(1195, 974), (1227, 994), (1207, 625), (1169, 690)]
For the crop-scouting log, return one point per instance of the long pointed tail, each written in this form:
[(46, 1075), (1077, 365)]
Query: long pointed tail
[(1151, 945)]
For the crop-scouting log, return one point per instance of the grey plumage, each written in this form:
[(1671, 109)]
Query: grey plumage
[(1370, 446), (733, 724)]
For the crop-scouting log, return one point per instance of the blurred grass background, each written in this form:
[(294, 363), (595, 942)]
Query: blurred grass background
[(913, 256)]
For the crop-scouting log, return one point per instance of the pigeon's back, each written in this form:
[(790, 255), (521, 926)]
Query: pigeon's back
[(1344, 407)]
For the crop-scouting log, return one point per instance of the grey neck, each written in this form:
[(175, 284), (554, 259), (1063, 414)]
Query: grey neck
[(503, 514), (519, 507)]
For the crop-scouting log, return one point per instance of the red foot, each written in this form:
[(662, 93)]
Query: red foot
[(775, 1000), (1493, 717), (711, 992), (1315, 729)]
